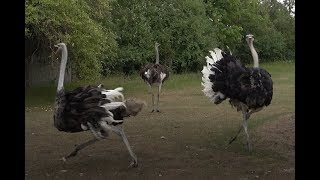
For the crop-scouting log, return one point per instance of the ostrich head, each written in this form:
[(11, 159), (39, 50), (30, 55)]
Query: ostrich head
[(59, 47), (134, 106), (249, 38), (157, 44)]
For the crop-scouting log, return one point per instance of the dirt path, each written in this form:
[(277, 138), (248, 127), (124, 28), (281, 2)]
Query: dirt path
[(191, 148)]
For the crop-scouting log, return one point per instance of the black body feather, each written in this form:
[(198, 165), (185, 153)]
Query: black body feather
[(80, 106), (155, 71), (251, 86)]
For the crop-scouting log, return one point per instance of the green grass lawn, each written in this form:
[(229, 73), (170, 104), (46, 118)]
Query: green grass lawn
[(282, 74)]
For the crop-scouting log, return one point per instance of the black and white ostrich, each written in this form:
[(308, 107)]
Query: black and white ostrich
[(248, 89), (155, 75), (92, 108)]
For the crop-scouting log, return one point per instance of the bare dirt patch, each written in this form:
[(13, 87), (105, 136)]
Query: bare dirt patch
[(279, 137), (188, 150)]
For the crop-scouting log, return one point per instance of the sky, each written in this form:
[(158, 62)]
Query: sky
[(293, 9)]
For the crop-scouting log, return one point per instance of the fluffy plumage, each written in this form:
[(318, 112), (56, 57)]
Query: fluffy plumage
[(225, 77), (86, 104), (155, 75), (92, 108), (248, 89)]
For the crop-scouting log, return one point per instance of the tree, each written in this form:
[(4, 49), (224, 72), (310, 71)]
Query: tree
[(284, 23), (133, 35), (110, 36), (236, 18), (290, 5), (73, 22), (182, 29)]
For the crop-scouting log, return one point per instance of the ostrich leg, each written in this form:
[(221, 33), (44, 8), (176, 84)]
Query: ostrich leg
[(152, 102), (96, 133), (245, 127), (98, 136), (235, 137), (247, 116), (119, 131), (158, 97), (151, 91), (79, 147)]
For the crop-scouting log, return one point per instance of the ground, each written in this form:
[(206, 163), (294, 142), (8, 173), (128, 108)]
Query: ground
[(187, 139), (193, 145)]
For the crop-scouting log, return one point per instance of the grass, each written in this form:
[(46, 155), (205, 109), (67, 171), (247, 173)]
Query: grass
[(133, 85)]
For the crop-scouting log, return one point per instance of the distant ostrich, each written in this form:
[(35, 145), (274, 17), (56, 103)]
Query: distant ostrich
[(92, 108), (248, 89), (155, 74)]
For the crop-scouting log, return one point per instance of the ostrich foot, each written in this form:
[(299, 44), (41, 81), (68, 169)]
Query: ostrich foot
[(133, 164), (249, 148), (63, 159), (231, 140)]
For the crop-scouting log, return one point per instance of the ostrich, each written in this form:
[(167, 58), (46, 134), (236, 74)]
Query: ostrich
[(92, 108), (248, 89), (155, 74)]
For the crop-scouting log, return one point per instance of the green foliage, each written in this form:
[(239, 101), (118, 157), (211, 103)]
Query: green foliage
[(182, 29), (225, 16), (192, 35), (72, 22), (111, 36), (284, 23), (134, 36)]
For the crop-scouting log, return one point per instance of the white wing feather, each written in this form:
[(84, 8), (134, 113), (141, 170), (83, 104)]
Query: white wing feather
[(206, 71)]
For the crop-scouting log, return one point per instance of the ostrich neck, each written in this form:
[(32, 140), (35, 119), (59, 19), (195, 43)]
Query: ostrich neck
[(64, 56), (157, 55), (254, 55)]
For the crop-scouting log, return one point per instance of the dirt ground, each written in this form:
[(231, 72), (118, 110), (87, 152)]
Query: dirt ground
[(193, 145)]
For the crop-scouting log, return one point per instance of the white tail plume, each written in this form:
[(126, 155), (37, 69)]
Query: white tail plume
[(114, 95), (113, 105), (206, 71)]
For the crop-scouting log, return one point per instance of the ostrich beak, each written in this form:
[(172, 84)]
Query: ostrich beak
[(249, 36), (56, 52), (58, 49), (134, 106)]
